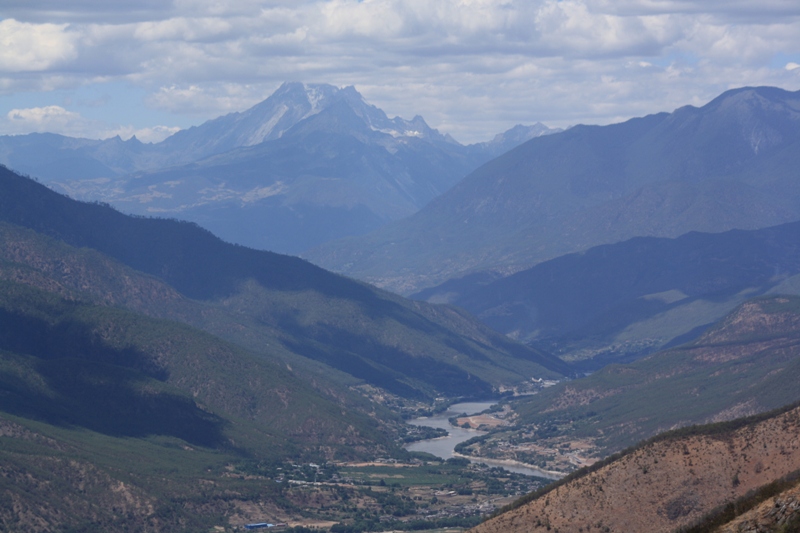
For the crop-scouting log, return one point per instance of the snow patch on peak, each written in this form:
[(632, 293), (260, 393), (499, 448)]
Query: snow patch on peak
[(315, 96), (397, 134), (318, 97)]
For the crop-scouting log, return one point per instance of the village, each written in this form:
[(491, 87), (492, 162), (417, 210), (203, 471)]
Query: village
[(424, 493)]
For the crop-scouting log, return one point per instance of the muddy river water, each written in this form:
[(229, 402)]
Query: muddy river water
[(443, 446)]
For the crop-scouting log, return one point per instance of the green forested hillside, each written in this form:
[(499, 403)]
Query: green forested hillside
[(154, 378), (252, 297), (115, 372), (114, 421), (57, 478)]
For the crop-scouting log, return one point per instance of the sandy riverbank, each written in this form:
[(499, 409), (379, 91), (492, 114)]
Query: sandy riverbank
[(547, 474)]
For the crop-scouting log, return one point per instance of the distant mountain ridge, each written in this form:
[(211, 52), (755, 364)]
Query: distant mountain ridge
[(309, 164), (291, 104), (266, 121), (624, 300), (731, 163)]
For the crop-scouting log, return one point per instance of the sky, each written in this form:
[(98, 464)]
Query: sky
[(471, 68)]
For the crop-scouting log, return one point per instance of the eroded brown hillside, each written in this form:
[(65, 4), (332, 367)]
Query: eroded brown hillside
[(778, 514), (666, 484)]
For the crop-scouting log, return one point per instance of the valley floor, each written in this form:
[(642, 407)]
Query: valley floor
[(390, 496)]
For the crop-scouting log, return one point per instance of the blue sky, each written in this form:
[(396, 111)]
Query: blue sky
[(471, 68)]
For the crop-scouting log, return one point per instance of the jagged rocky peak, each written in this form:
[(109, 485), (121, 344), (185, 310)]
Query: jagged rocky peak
[(294, 102), (291, 103), (377, 120), (315, 94), (312, 98)]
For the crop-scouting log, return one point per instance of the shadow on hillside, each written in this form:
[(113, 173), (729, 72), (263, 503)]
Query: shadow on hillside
[(63, 374), (386, 366)]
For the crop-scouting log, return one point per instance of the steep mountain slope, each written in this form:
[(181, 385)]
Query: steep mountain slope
[(265, 121), (331, 175), (263, 301), (666, 483), (630, 298), (113, 421), (729, 164), (772, 508), (309, 164), (57, 479), (73, 364), (748, 363)]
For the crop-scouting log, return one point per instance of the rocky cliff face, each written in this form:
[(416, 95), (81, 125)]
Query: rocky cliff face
[(668, 483), (778, 514)]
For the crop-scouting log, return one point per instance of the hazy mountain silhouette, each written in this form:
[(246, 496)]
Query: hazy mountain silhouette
[(729, 164), (644, 293), (309, 164)]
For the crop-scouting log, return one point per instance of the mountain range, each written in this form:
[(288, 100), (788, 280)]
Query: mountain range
[(147, 368), (309, 164), (730, 164), (616, 302), (151, 373), (263, 300)]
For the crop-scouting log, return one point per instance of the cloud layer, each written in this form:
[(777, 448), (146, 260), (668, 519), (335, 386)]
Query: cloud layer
[(470, 67), (56, 119)]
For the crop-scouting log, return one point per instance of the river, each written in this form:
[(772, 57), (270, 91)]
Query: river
[(444, 446)]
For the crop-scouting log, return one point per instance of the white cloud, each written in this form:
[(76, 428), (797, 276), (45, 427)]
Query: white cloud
[(31, 47), (218, 99), (470, 67), (746, 10), (146, 135), (56, 119), (183, 29), (87, 10), (38, 118)]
